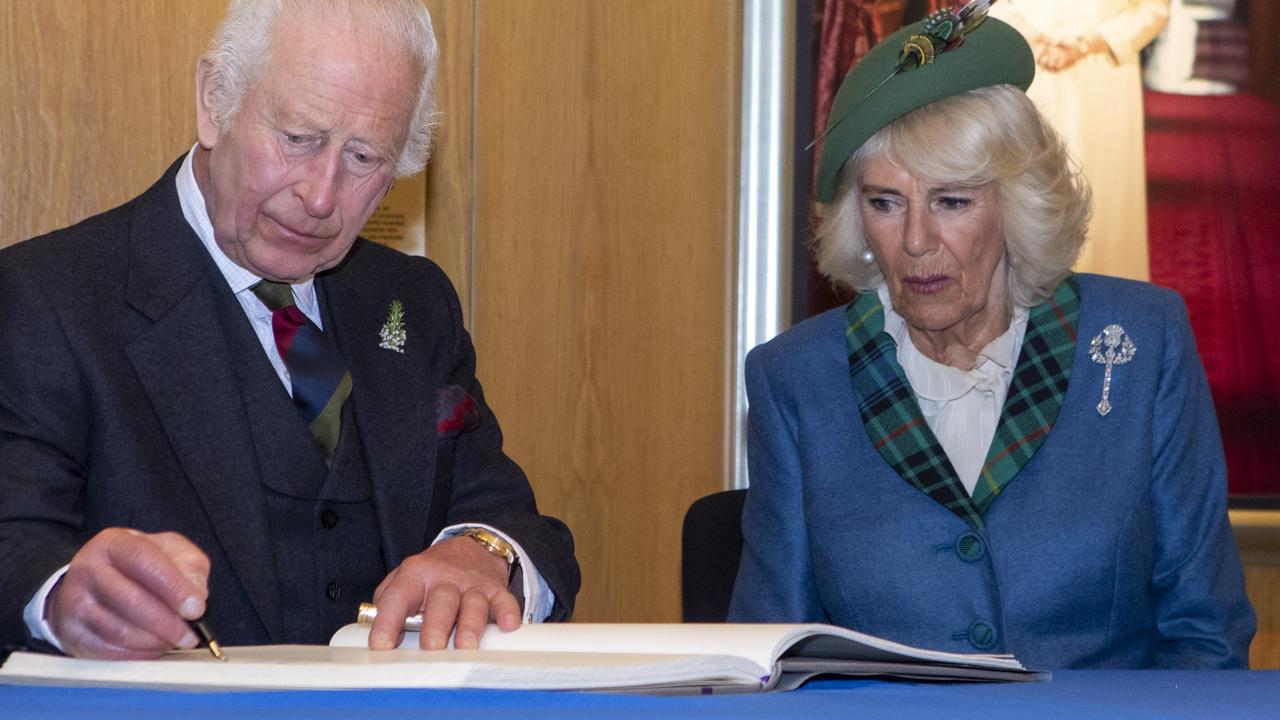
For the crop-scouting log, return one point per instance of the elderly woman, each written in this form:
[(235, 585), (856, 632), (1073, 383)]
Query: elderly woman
[(983, 452)]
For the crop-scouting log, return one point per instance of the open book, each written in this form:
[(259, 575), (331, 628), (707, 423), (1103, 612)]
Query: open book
[(574, 656)]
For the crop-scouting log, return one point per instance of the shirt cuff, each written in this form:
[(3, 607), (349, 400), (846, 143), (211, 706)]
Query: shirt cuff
[(33, 613), (538, 597)]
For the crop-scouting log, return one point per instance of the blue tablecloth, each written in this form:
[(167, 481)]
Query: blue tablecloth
[(1070, 694)]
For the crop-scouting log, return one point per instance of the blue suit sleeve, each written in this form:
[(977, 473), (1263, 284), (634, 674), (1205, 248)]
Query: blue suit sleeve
[(1203, 614), (775, 579)]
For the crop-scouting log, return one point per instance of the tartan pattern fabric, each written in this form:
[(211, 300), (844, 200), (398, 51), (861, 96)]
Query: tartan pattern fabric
[(896, 425), (891, 415), (321, 382), (1035, 393)]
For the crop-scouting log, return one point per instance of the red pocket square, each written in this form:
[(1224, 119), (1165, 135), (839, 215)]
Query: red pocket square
[(456, 411)]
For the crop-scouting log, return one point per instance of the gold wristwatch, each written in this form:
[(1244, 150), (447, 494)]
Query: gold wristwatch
[(492, 543)]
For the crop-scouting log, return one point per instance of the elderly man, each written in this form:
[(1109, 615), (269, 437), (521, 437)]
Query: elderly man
[(216, 400)]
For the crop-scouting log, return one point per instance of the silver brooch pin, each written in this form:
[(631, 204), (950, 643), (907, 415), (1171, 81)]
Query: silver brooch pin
[(1119, 350), (392, 333)]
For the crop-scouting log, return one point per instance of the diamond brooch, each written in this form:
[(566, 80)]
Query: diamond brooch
[(1119, 349)]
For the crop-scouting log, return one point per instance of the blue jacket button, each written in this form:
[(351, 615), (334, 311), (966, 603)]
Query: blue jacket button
[(982, 636), (970, 548)]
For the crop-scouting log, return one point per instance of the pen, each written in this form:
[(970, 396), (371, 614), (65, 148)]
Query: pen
[(369, 611), (202, 629)]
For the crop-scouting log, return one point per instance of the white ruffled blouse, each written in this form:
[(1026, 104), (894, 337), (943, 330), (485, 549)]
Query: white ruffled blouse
[(961, 407)]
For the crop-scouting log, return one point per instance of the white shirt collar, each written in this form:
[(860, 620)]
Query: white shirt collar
[(938, 382)]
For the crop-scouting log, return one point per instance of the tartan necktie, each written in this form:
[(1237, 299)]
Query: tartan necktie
[(317, 373)]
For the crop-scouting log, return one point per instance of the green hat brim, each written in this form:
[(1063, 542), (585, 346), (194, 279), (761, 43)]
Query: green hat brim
[(992, 54)]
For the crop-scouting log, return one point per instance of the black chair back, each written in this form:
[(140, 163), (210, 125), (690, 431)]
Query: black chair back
[(711, 546)]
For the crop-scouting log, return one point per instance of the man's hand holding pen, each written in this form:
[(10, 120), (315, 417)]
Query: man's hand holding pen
[(130, 595), (454, 583)]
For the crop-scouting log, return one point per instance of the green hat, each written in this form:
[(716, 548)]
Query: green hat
[(992, 54)]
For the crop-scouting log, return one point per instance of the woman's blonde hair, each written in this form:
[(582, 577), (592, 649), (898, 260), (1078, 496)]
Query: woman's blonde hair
[(989, 135)]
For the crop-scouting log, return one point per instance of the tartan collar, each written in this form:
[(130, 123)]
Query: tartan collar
[(897, 428)]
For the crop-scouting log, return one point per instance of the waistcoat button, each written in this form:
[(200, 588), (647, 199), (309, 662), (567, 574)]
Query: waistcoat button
[(328, 519)]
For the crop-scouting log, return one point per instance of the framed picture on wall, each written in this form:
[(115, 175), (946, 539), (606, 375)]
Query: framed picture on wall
[(1204, 122)]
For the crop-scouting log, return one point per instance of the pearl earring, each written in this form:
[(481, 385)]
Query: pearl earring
[(868, 257)]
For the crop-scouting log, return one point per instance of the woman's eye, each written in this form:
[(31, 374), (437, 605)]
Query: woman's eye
[(954, 203)]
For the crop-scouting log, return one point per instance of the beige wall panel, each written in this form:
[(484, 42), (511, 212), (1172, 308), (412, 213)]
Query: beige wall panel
[(1258, 537), (1263, 583), (606, 150), (449, 174), (97, 99)]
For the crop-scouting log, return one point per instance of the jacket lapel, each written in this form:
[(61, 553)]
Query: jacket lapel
[(391, 404), (897, 428), (891, 415), (1035, 393), (186, 368)]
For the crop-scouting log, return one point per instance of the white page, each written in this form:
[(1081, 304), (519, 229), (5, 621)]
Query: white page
[(753, 642), (761, 643), (319, 667)]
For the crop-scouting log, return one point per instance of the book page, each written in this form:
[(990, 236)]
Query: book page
[(841, 644), (763, 644), (758, 643), (319, 667)]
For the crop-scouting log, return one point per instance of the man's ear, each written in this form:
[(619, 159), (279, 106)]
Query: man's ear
[(386, 190), (208, 129)]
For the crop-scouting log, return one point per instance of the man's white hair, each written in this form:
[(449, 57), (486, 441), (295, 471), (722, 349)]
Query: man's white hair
[(240, 53)]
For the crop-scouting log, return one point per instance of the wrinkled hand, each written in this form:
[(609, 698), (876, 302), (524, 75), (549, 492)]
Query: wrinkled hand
[(128, 595), (455, 582)]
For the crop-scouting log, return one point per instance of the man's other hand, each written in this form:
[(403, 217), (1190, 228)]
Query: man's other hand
[(128, 595), (454, 583)]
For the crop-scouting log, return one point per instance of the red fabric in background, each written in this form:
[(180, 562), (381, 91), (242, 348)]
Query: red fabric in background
[(1213, 177), (847, 32)]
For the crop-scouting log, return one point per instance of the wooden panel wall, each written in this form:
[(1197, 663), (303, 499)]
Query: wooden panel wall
[(96, 99), (450, 191), (1258, 537), (606, 148), (1263, 583)]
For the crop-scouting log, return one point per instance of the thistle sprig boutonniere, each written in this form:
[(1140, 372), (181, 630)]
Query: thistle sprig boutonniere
[(392, 333)]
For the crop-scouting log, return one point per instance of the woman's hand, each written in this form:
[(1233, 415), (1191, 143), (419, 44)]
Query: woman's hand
[(1059, 55)]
